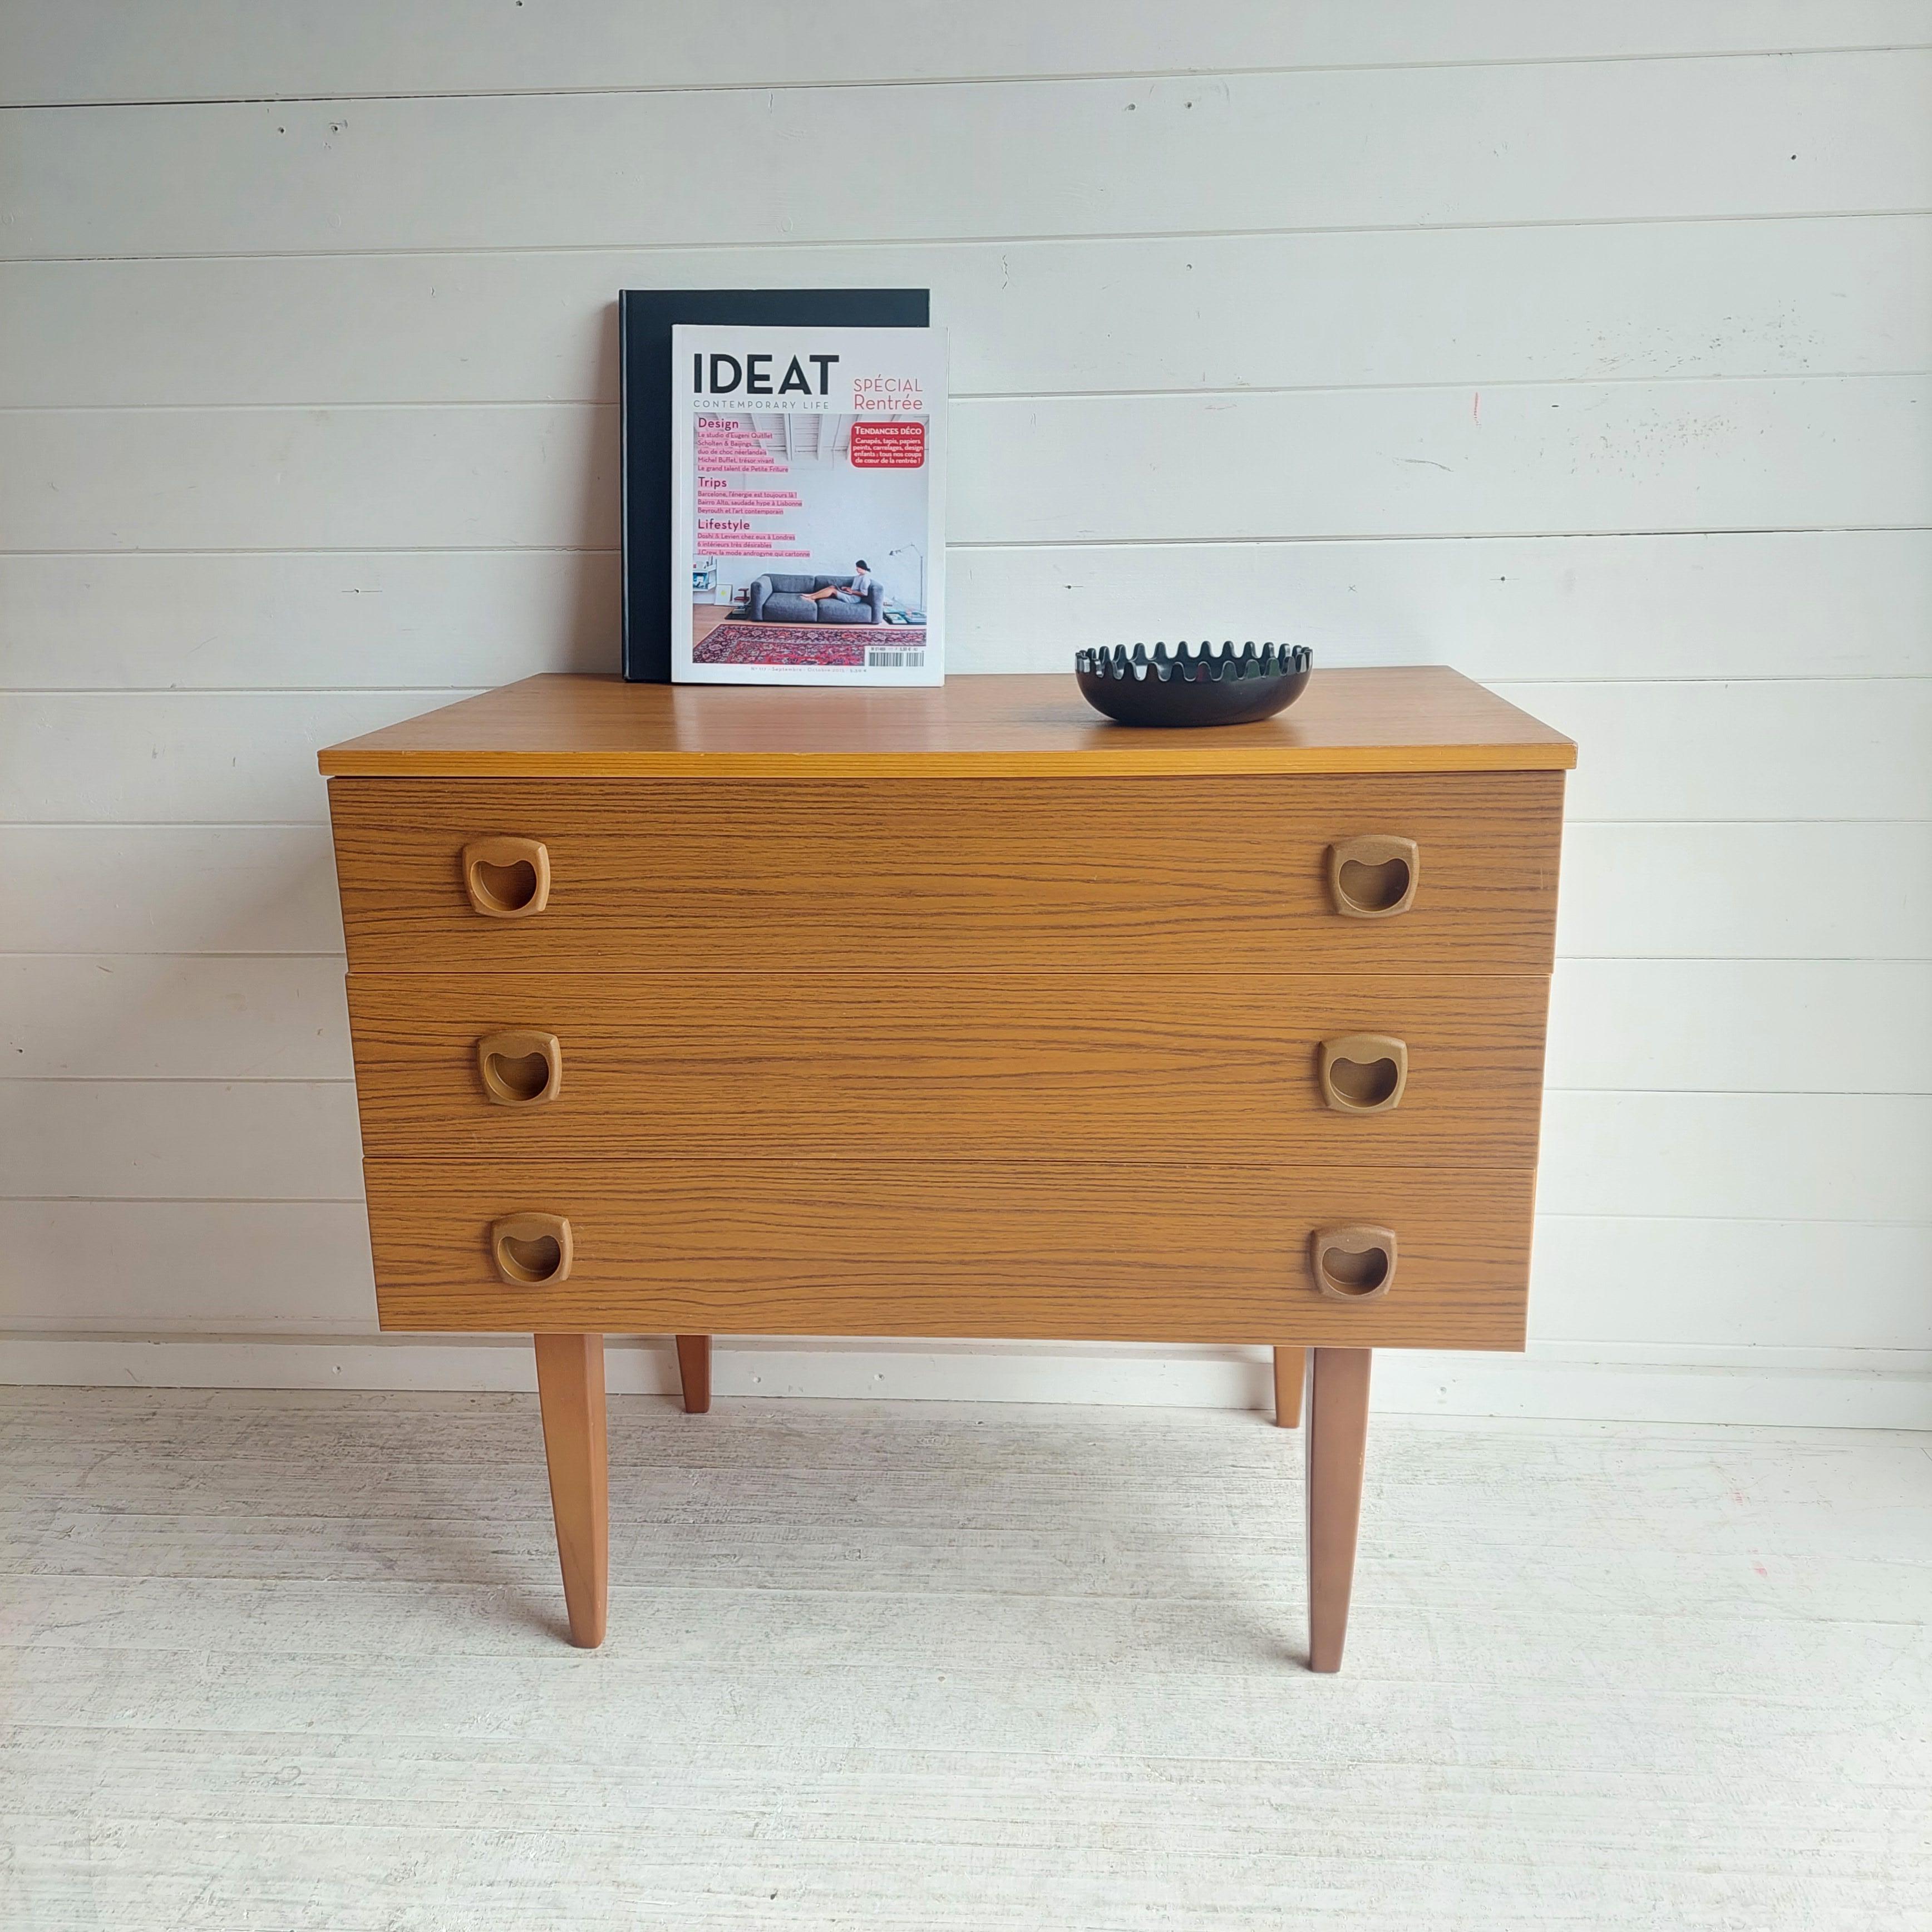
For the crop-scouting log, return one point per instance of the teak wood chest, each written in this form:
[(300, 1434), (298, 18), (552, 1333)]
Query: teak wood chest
[(963, 1013)]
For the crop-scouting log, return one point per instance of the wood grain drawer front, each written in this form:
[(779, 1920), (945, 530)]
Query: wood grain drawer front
[(877, 1067), (1211, 1252), (1212, 876)]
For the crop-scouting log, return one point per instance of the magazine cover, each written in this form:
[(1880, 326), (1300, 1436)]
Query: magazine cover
[(807, 534)]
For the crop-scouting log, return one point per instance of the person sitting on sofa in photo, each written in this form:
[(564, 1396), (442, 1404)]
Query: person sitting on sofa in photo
[(859, 591), (782, 599)]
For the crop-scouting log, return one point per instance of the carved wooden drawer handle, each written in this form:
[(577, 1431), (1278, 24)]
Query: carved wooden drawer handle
[(507, 878), (1373, 877), (1355, 1263), (531, 1250), (520, 1068), (1364, 1073)]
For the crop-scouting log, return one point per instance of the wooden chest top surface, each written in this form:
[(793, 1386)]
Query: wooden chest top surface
[(1422, 718)]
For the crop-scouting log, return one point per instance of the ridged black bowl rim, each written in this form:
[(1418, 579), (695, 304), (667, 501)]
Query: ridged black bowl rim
[(1206, 664)]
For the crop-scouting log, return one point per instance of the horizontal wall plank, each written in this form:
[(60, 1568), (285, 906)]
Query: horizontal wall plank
[(1803, 603), (1696, 1284), (294, 1266), (122, 1016), (1733, 892), (57, 1438), (164, 1140), (170, 889), (1428, 146), (1825, 1389), (1690, 456), (1065, 316), (1825, 748), (1812, 603), (1809, 1157), (1699, 891), (367, 621), (1753, 1025), (299, 479), (1770, 1157), (1817, 452), (101, 50), (142, 756), (1790, 749), (1764, 1026)]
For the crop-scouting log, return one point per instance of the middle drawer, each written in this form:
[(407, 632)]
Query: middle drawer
[(882, 1065)]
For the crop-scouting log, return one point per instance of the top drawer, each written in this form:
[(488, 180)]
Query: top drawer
[(1210, 876)]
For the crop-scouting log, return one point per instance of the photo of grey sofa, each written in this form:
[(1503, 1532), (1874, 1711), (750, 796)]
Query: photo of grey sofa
[(781, 600)]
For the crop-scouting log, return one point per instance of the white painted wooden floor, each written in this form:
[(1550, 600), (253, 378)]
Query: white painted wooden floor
[(293, 1660)]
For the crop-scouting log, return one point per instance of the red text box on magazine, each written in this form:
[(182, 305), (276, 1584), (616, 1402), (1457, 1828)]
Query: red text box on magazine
[(889, 445)]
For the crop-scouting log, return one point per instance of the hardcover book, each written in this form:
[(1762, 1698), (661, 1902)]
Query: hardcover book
[(808, 468), (646, 318)]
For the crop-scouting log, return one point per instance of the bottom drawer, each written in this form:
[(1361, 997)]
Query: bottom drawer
[(1213, 1251)]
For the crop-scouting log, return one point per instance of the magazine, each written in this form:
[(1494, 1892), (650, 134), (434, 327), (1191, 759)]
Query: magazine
[(808, 470), (645, 319)]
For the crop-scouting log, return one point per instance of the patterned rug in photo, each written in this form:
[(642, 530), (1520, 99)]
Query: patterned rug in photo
[(830, 644)]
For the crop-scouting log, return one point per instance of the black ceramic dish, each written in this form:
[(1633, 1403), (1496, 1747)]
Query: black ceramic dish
[(1204, 687)]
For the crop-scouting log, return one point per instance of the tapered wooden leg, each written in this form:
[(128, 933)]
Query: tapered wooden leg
[(1337, 1427), (570, 1387), (694, 1370), (1291, 1367)]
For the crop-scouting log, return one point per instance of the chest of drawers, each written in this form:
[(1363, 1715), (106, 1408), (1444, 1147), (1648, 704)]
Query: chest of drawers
[(703, 1011)]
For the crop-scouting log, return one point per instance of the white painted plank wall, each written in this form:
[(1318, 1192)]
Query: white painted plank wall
[(1425, 146), (1764, 605), (1640, 302), (1588, 349), (1588, 458)]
